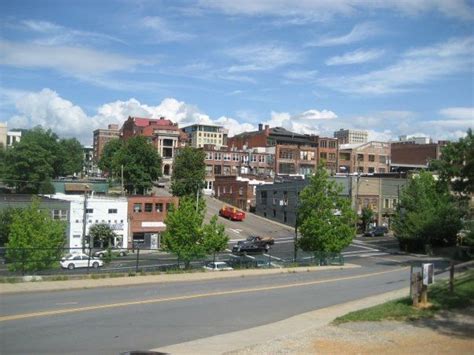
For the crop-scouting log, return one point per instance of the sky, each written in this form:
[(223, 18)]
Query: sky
[(391, 67)]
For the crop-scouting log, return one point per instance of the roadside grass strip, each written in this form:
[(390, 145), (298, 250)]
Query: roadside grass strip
[(402, 309)]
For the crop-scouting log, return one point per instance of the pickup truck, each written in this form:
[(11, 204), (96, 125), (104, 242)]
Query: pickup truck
[(253, 243)]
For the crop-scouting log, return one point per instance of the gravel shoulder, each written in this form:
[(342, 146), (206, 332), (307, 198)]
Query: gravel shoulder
[(446, 333)]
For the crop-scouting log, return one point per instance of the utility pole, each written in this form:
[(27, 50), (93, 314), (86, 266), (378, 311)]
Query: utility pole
[(197, 198), (295, 251), (84, 220), (121, 178)]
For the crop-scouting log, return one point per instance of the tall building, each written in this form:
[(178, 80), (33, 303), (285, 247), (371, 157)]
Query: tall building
[(201, 134), (351, 136), (164, 134), (3, 135), (101, 137)]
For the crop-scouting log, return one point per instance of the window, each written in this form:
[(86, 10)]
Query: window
[(386, 203), (360, 157), (148, 207), (241, 191), (323, 144), (274, 213), (371, 157), (60, 215), (332, 144), (158, 207), (112, 210), (76, 236), (263, 197), (89, 210), (371, 170), (284, 216), (381, 170), (137, 207), (332, 156), (323, 156)]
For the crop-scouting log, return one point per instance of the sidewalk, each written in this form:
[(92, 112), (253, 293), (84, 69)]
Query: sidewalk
[(267, 339), (39, 286)]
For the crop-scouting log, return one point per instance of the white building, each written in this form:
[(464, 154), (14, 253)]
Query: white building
[(201, 134), (415, 140), (351, 136), (13, 137), (109, 210)]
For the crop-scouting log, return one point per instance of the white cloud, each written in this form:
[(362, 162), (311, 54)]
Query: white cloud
[(355, 57), (301, 75), (359, 33), (416, 67), (462, 113), (315, 115), (68, 60), (262, 57), (54, 34), (162, 30), (323, 9)]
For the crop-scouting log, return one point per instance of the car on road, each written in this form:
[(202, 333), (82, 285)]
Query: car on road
[(217, 266), (73, 261), (114, 251), (376, 232)]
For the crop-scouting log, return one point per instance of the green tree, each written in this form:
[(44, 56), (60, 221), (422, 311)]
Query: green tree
[(456, 166), (141, 164), (427, 214), (325, 218), (106, 160), (6, 218), (69, 158), (366, 217), (35, 240), (189, 172), (102, 233), (215, 238)]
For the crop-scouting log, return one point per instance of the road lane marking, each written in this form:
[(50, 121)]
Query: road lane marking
[(189, 297), (66, 303)]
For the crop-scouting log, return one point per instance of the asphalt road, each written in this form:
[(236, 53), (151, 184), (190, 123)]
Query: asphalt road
[(150, 316)]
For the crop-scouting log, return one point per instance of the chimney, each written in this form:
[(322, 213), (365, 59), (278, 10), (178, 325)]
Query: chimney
[(162, 118), (260, 127), (267, 127)]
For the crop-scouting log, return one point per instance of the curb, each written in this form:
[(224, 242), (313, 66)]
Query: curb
[(48, 286), (246, 340)]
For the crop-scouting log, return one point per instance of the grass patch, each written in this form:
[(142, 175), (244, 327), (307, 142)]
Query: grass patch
[(9, 280), (402, 309)]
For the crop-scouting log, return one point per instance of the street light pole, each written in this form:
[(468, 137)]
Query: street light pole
[(296, 225)]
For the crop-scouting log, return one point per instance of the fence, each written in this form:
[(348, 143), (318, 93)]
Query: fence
[(49, 261)]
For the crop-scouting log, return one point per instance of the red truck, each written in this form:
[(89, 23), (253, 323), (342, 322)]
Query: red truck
[(232, 213)]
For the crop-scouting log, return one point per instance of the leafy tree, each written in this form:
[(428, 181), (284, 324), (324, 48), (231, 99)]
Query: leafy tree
[(184, 235), (102, 233), (456, 166), (6, 218), (189, 172), (367, 217), (215, 238), (141, 164), (427, 214), (106, 160), (35, 240), (40, 156), (70, 158), (326, 220)]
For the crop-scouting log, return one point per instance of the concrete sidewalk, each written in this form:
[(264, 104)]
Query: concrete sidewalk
[(38, 286), (265, 336)]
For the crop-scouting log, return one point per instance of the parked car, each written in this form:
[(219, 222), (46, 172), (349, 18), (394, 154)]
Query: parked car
[(114, 251), (72, 261), (376, 232), (232, 213), (217, 266)]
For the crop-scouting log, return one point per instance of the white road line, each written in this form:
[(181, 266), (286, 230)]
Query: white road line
[(365, 247), (65, 303), (236, 231), (365, 255)]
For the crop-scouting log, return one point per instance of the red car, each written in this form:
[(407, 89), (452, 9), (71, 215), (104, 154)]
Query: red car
[(232, 213)]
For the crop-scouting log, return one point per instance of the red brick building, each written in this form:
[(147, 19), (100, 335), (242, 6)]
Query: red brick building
[(146, 219), (238, 191), (164, 134), (410, 156), (101, 137)]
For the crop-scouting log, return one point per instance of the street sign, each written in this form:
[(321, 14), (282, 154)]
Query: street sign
[(428, 274)]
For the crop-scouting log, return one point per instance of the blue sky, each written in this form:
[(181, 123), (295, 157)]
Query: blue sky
[(391, 67)]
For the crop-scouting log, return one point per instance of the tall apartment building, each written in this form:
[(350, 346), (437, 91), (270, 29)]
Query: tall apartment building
[(351, 136), (101, 137), (164, 134), (201, 134)]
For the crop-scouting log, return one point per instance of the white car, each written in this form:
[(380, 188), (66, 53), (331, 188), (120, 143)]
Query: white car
[(218, 266), (72, 261)]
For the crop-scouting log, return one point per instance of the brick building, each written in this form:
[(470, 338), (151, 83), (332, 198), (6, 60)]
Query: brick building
[(294, 153), (412, 156), (146, 216), (164, 134), (101, 137), (368, 158), (238, 191)]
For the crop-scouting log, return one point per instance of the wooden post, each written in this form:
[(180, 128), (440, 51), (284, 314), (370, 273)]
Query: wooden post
[(424, 295), (451, 277), (416, 288)]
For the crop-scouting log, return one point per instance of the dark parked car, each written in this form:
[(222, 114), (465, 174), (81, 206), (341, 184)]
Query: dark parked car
[(376, 232)]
